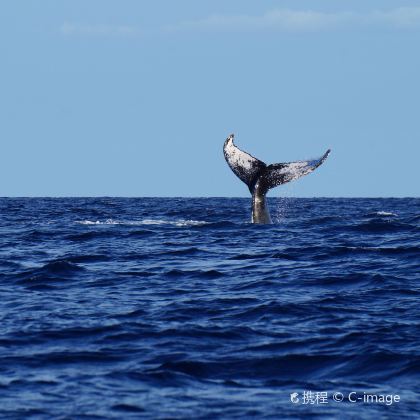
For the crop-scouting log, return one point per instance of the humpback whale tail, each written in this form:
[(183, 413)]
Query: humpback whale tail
[(260, 177)]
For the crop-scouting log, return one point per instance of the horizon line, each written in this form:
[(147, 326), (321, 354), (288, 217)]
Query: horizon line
[(201, 197)]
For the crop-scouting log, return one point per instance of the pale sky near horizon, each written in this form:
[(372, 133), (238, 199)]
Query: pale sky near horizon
[(135, 98)]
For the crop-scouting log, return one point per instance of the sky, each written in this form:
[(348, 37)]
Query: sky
[(136, 98)]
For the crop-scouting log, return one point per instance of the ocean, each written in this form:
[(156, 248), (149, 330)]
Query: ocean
[(180, 308)]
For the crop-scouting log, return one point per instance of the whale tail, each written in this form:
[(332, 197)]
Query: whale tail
[(260, 177)]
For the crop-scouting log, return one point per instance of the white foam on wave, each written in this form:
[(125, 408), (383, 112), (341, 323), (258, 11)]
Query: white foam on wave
[(385, 213), (112, 222)]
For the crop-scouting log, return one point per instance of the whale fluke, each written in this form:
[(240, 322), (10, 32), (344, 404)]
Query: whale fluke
[(260, 177), (280, 173), (246, 167)]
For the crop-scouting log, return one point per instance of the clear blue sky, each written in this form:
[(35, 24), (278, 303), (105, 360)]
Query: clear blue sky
[(135, 98)]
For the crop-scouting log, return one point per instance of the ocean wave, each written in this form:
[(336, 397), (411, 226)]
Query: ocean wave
[(203, 274), (378, 226), (128, 408), (385, 213), (378, 365), (53, 274), (147, 222)]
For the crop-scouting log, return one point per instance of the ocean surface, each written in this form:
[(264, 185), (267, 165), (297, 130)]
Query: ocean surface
[(180, 308)]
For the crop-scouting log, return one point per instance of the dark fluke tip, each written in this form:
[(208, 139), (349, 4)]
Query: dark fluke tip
[(326, 154)]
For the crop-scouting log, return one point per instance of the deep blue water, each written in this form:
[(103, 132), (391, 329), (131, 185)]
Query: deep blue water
[(180, 308)]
